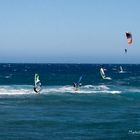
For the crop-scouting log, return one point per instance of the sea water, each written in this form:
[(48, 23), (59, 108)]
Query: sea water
[(100, 109)]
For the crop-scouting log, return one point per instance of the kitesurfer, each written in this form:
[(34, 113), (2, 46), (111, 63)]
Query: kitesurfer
[(125, 50)]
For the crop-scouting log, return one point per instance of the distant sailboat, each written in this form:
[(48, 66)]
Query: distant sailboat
[(37, 84), (103, 74)]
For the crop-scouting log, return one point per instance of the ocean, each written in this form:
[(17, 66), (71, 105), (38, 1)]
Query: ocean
[(100, 110)]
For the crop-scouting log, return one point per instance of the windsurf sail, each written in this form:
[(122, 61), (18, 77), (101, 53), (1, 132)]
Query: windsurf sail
[(80, 79), (129, 37), (121, 69), (37, 83), (102, 73)]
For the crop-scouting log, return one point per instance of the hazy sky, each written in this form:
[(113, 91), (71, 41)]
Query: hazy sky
[(69, 31)]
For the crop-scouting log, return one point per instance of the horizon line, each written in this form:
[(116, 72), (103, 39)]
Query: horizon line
[(70, 63)]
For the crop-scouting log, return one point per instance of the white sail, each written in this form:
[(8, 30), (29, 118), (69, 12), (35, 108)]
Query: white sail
[(103, 74), (121, 70), (37, 81)]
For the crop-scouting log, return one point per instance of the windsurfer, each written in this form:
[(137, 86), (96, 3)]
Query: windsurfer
[(37, 86), (78, 84), (37, 90)]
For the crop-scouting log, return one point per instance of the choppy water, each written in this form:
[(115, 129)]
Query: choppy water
[(100, 109)]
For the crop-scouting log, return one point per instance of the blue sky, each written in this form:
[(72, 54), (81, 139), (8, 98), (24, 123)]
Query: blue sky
[(69, 31)]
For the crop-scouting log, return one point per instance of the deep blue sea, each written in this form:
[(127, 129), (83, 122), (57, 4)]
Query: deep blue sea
[(99, 110)]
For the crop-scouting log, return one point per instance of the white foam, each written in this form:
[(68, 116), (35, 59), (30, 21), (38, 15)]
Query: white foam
[(84, 89), (134, 90), (8, 76), (20, 90), (14, 90), (99, 87)]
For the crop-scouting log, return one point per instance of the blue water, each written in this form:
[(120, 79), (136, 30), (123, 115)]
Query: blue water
[(100, 109)]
